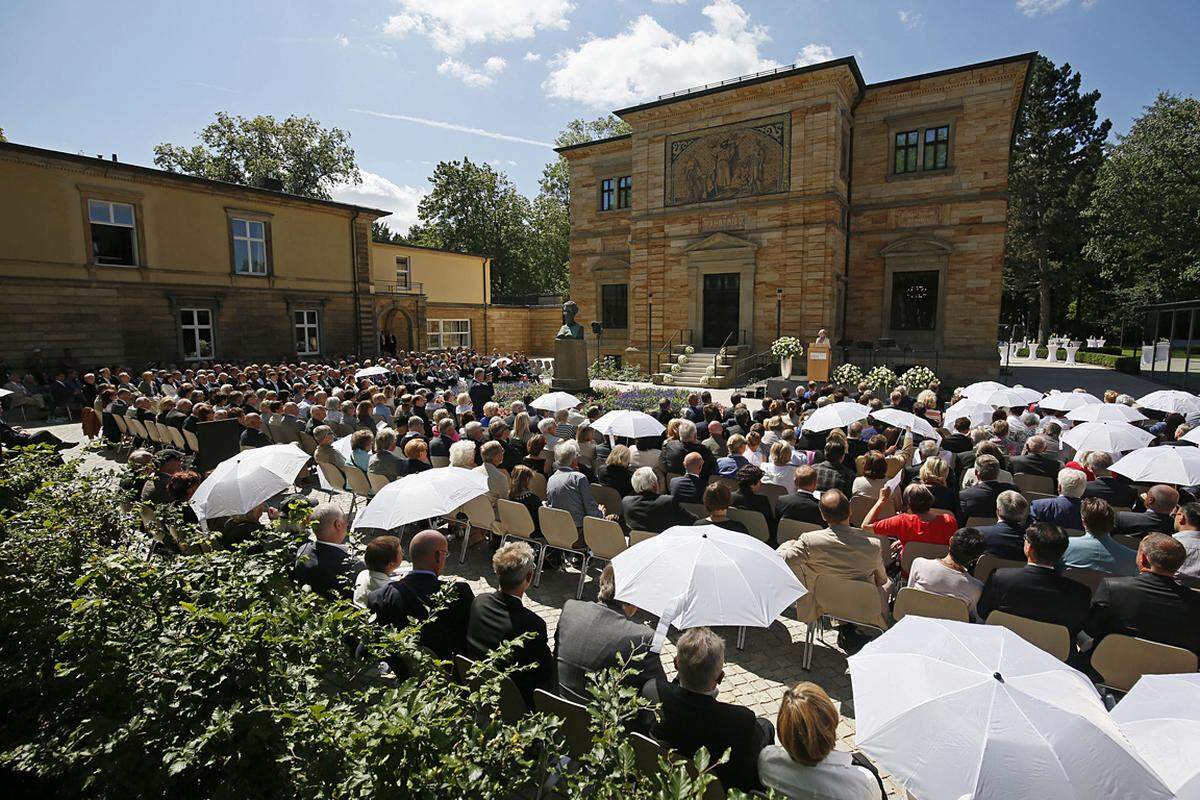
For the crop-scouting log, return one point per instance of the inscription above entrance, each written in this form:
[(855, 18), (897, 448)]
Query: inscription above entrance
[(742, 159)]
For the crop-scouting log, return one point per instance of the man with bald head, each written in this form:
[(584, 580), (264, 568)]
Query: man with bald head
[(412, 598), (1035, 461), (1160, 501), (715, 442), (254, 436), (290, 423), (689, 487)]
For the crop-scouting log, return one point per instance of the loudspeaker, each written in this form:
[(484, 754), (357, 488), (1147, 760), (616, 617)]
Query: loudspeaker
[(218, 441)]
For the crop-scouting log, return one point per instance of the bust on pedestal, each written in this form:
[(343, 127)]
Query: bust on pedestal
[(570, 354)]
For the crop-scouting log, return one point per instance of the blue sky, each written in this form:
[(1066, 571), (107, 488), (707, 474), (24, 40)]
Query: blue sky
[(418, 81)]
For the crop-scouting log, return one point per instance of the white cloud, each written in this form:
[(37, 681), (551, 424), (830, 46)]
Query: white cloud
[(451, 25), (471, 76), (342, 40), (376, 191), (453, 126), (814, 54), (911, 19), (646, 59), (531, 56), (1032, 8), (670, 2)]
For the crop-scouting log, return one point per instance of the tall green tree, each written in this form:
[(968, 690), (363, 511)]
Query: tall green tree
[(1145, 211), (2, 139), (556, 177), (1057, 152), (382, 232), (307, 158)]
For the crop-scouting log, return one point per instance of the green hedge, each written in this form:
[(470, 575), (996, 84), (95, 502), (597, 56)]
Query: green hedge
[(1110, 357)]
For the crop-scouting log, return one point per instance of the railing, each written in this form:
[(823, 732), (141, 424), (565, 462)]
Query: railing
[(527, 299), (896, 357), (401, 288), (755, 367), (727, 81), (666, 350)]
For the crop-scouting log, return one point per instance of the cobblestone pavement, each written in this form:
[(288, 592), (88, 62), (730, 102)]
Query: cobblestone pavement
[(755, 676)]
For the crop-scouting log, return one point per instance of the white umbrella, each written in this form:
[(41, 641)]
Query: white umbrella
[(955, 710), (503, 361), (1016, 397), (555, 401), (1066, 401), (903, 419), (370, 372), (981, 389), (630, 424), (692, 575), (240, 483), (1106, 412), (425, 495), (1171, 400), (979, 413), (1161, 718), (1107, 437), (836, 415), (6, 392), (1192, 436), (1176, 465)]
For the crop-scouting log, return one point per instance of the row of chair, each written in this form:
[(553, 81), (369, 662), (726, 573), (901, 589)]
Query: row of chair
[(155, 433)]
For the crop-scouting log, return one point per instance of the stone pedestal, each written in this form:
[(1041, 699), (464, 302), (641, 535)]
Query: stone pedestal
[(570, 366)]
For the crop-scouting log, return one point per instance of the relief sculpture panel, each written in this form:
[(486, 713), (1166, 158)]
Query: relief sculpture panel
[(738, 160)]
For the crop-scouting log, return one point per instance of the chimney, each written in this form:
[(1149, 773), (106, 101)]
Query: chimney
[(114, 156)]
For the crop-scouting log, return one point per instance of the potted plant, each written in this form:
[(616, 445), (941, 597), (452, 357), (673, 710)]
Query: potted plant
[(785, 349), (882, 380)]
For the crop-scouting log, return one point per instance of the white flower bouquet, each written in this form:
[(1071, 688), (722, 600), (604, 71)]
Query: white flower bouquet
[(668, 380), (847, 375), (786, 347), (676, 369), (918, 378), (881, 379), (683, 359), (710, 370), (689, 349)]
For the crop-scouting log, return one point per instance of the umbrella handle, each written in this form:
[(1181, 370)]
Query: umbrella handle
[(671, 612)]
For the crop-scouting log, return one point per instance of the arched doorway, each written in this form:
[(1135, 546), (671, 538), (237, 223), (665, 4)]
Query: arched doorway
[(397, 323)]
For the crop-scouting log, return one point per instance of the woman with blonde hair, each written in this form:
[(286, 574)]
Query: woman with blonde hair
[(935, 473), (616, 472), (521, 428), (779, 469), (805, 764), (673, 428), (753, 451)]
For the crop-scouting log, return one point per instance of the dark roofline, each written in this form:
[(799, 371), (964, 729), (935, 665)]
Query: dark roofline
[(568, 147), (225, 186), (967, 68), (435, 249), (847, 61)]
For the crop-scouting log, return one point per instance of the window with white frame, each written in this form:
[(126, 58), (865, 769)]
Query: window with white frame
[(196, 327), (447, 333), (114, 233), (403, 272), (307, 327), (249, 246)]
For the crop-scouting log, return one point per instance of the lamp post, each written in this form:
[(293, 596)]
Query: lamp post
[(778, 313), (597, 329), (650, 332)]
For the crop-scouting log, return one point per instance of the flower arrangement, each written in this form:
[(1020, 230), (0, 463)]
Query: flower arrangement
[(682, 359), (786, 347), (668, 380), (722, 354), (689, 349), (918, 378), (847, 375), (676, 369), (709, 371), (881, 379)]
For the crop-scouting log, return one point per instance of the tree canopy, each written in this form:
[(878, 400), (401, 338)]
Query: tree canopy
[(305, 157)]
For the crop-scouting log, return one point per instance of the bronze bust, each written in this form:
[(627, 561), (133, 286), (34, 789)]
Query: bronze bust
[(570, 328)]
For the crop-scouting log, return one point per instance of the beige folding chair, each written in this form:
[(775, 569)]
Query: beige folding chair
[(1119, 509), (307, 443), (192, 443), (793, 529), (640, 536), (647, 753), (1054, 639), (927, 604), (377, 481), (512, 704), (988, 563), (754, 521), (537, 485), (729, 483), (942, 511), (980, 522), (1121, 660), (1088, 577), (914, 550), (1034, 483), (480, 514), (360, 485), (1127, 540), (175, 435), (608, 497), (697, 510), (439, 461), (122, 426), (1072, 532), (844, 600), (772, 493), (1031, 496), (576, 727), (334, 476), (604, 539), (164, 432), (515, 520), (860, 504), (558, 527)]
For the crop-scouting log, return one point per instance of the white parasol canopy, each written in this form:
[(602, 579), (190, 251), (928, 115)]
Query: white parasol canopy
[(630, 424), (981, 389), (240, 483), (907, 420), (1106, 412), (1175, 465), (836, 415), (6, 392), (979, 413), (1161, 718), (370, 372), (425, 495), (1016, 397), (1067, 401), (555, 401), (1171, 400), (956, 710), (1107, 437)]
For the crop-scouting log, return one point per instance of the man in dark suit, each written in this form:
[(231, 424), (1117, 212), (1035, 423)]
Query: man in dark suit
[(1152, 605), (179, 414), (980, 500), (501, 616), (1006, 539), (960, 440), (647, 510), (802, 506), (439, 446), (328, 564), (595, 636), (290, 423), (670, 459), (691, 717), (413, 597), (1065, 509), (1036, 591), (1035, 461), (689, 487), (1106, 486), (832, 473), (481, 391), (253, 435), (1160, 501)]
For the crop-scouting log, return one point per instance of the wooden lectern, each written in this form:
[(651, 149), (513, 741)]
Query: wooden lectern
[(818, 362)]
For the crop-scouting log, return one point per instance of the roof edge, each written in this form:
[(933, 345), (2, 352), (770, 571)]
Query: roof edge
[(592, 143), (995, 62), (428, 247)]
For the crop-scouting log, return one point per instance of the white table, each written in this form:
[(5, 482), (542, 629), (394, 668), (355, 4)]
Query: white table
[(1052, 354), (1072, 349)]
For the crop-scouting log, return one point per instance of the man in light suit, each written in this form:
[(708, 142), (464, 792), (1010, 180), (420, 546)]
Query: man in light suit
[(595, 636), (325, 453), (290, 424)]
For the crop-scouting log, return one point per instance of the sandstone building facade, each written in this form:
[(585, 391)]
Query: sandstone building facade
[(798, 200)]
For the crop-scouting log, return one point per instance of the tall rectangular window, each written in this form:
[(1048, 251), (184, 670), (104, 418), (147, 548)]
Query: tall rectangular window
[(937, 147), (614, 305), (906, 152), (307, 328), (915, 300), (624, 191), (196, 328), (249, 246), (606, 194), (114, 233), (403, 273), (447, 333)]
